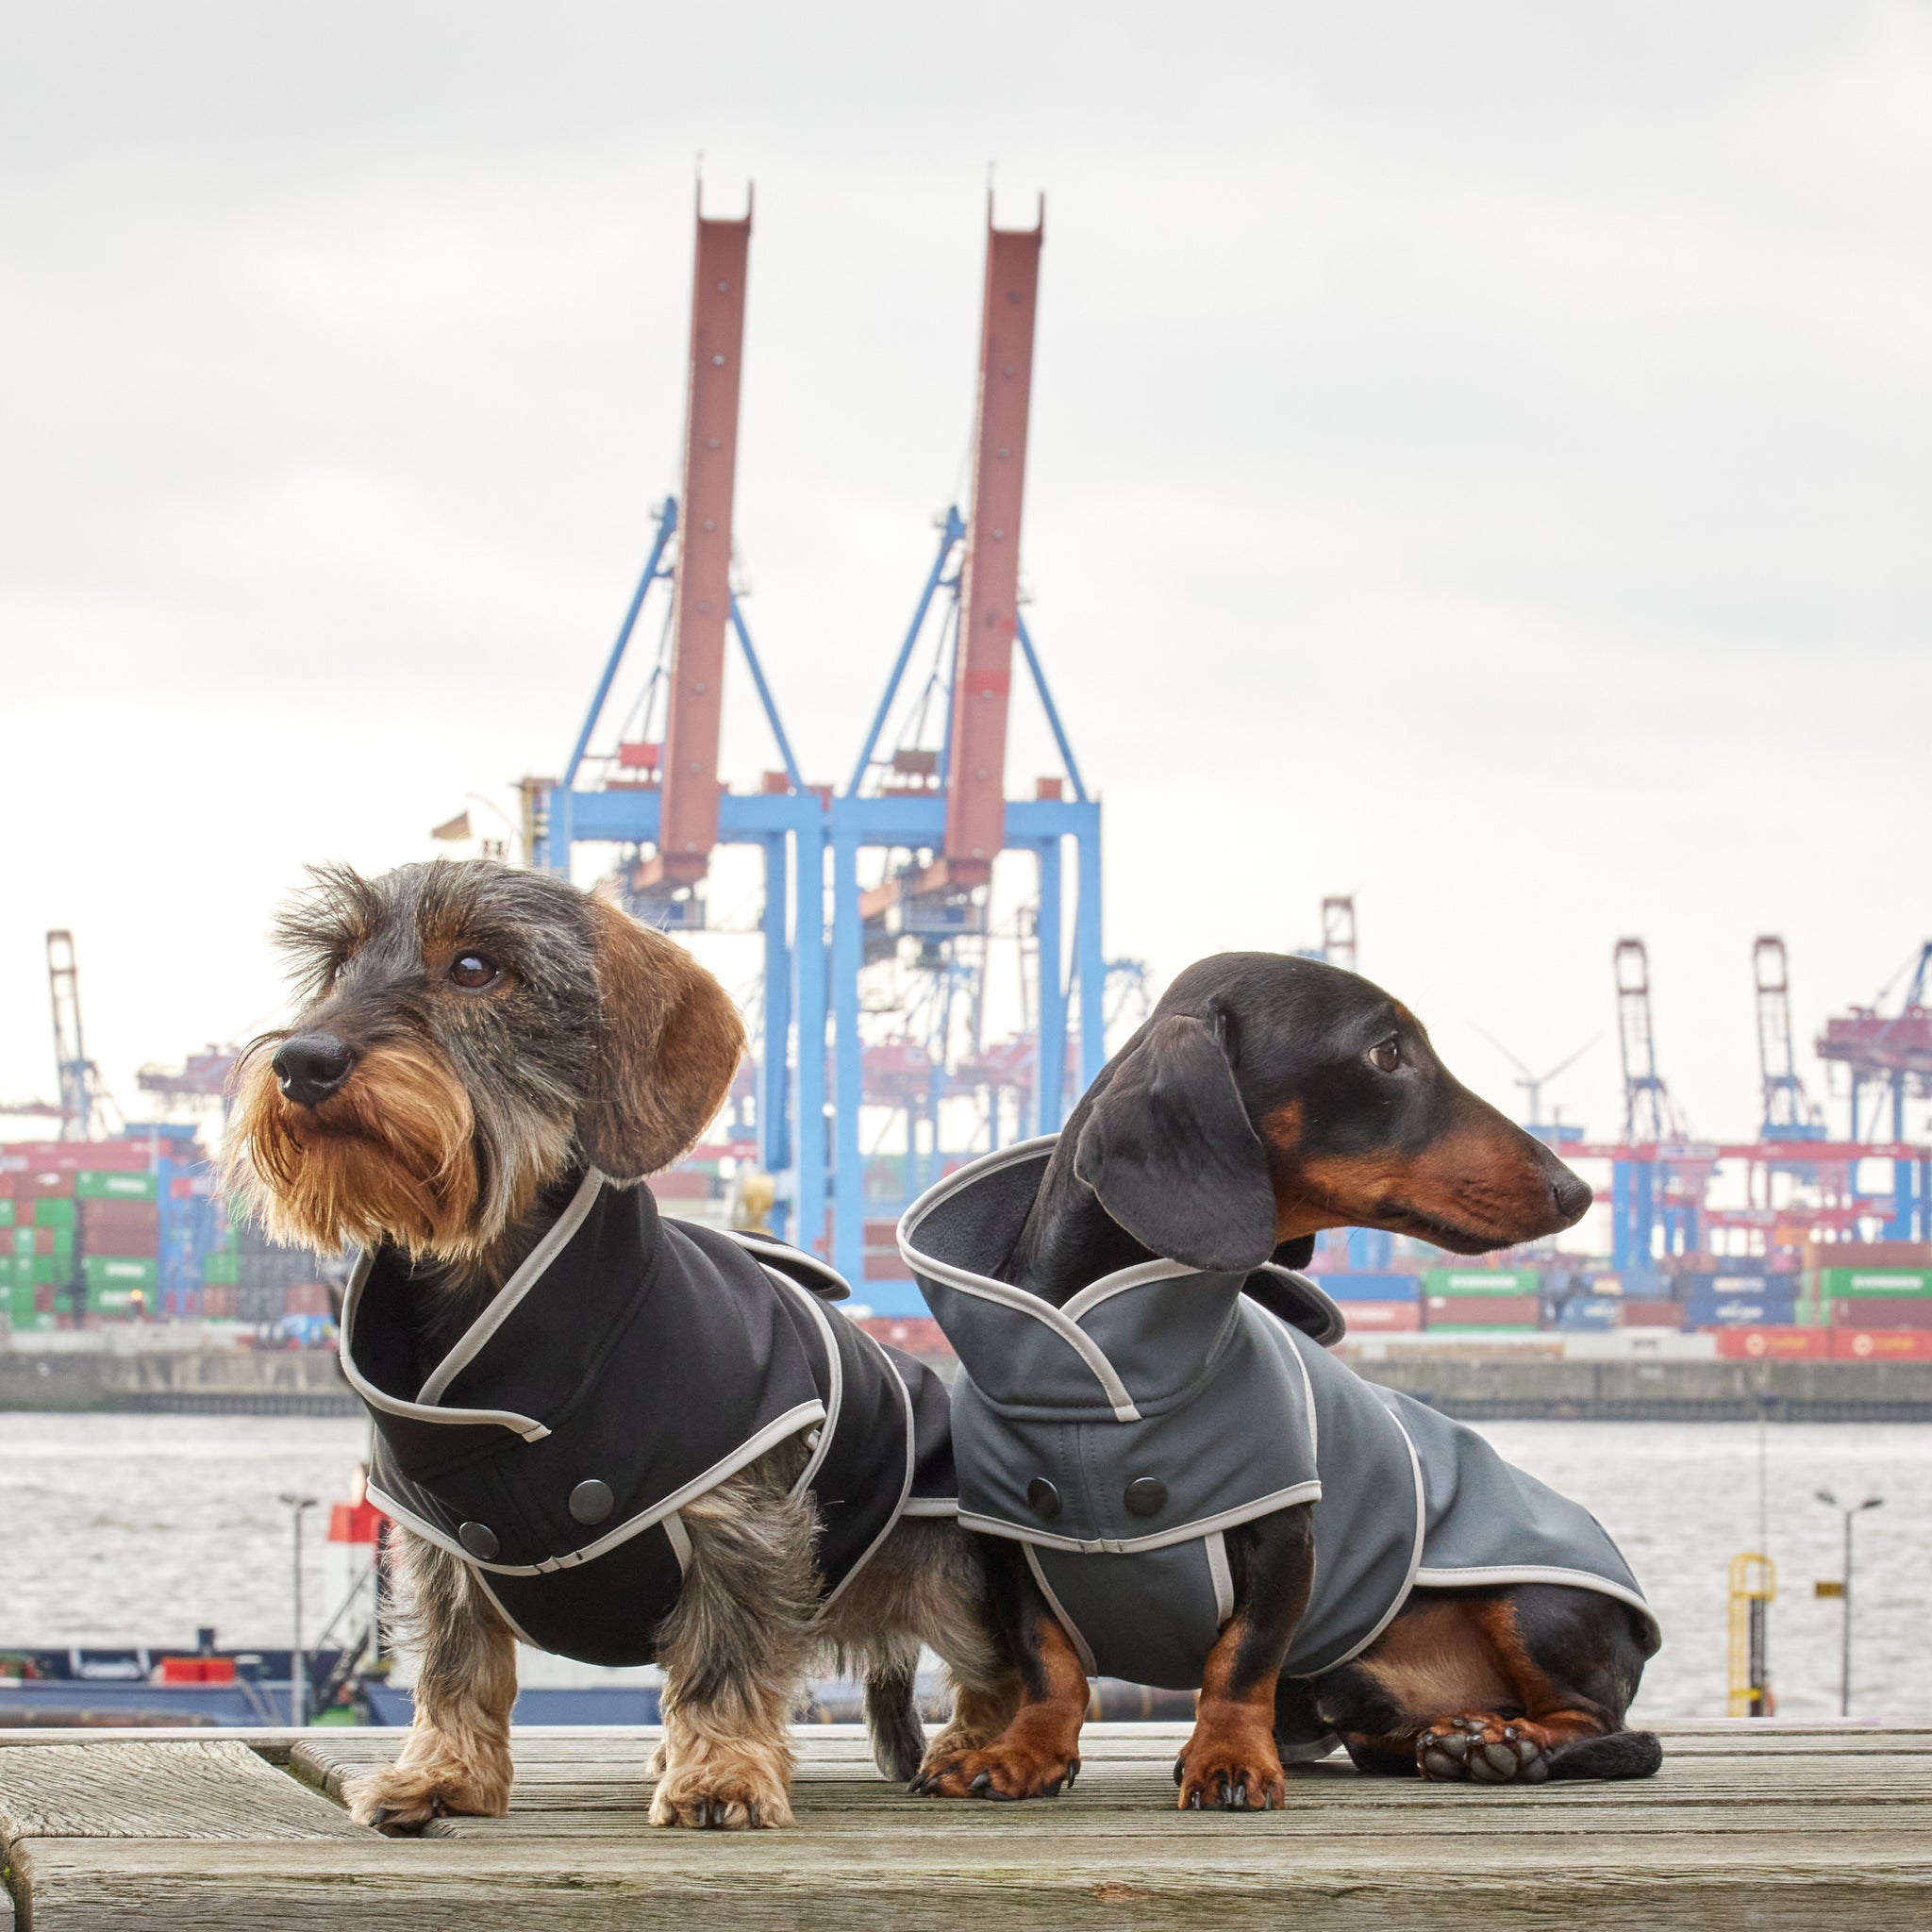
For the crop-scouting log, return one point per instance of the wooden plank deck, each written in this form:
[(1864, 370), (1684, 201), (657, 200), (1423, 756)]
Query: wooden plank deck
[(1757, 1827)]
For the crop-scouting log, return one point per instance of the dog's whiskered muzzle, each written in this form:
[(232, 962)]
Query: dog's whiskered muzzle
[(311, 1067)]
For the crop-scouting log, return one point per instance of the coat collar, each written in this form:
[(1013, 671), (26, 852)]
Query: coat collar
[(959, 1232)]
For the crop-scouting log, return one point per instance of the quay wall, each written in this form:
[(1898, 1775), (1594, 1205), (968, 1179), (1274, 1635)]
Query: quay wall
[(186, 1380)]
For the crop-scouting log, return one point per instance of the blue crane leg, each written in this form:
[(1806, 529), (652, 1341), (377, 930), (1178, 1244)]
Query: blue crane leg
[(809, 957), (775, 1080), (848, 1177), (1089, 961), (1051, 1066)]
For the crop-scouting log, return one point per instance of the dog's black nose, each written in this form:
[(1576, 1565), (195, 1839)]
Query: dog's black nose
[(311, 1066), (1572, 1195)]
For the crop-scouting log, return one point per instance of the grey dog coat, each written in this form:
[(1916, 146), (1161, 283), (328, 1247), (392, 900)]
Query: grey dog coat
[(1118, 1437), (631, 1364)]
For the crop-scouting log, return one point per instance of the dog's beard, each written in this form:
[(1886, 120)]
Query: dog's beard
[(391, 1157)]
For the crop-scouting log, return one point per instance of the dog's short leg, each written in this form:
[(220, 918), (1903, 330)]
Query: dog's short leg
[(456, 1755), (736, 1652), (1036, 1752), (1231, 1762)]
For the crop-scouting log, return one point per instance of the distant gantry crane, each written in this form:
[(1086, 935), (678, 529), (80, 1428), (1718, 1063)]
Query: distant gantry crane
[(84, 1098), (924, 823), (1789, 1113)]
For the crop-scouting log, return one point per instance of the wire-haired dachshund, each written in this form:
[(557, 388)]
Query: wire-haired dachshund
[(1265, 1099), (487, 1061)]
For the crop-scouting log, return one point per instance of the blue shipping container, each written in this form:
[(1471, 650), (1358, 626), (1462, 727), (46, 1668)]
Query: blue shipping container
[(1369, 1288), (1589, 1312), (1740, 1310), (1728, 1281)]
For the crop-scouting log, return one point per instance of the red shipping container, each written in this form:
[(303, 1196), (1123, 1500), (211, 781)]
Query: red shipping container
[(1479, 1311), (1649, 1315), (1882, 1310), (308, 1298), (1881, 1345), (915, 1334), (1390, 1318), (1772, 1344), (197, 1670), (43, 1187), (883, 1264), (70, 1156), (141, 1214), (681, 1186)]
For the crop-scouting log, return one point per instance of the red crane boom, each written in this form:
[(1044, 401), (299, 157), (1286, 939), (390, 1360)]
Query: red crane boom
[(989, 578), (688, 828)]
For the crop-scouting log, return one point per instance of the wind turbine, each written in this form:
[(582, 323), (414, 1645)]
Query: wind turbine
[(1533, 1084)]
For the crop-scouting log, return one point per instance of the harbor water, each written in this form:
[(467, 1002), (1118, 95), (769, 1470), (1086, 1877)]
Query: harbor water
[(121, 1529)]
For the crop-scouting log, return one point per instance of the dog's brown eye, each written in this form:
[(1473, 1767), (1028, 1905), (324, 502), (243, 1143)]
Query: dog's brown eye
[(473, 971), (1386, 1055)]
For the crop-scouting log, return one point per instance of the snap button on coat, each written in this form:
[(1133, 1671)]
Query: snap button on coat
[(1147, 1495), (479, 1540), (592, 1501), (628, 1367), (1044, 1497)]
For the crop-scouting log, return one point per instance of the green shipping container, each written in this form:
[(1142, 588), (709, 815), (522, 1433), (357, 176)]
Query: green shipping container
[(101, 1185), (59, 1212), (220, 1271), (1836, 1284), (109, 1301), (6, 1211), (104, 1272), (23, 1241), (48, 1271), (1482, 1281)]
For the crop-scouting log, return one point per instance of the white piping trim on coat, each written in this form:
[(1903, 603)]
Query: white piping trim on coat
[(835, 1374), (468, 1345), (1082, 1648), (526, 1426), (1223, 1577), (774, 1432), (679, 1538), (931, 1506), (891, 1522), (1415, 1559), (1119, 1282), (779, 1255), (1530, 1573), (516, 1629), (1160, 1539), (1043, 1310)]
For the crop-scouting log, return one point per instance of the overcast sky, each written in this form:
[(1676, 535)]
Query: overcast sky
[(1480, 461)]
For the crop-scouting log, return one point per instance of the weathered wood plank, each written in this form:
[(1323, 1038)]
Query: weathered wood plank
[(1199, 1875), (120, 1789)]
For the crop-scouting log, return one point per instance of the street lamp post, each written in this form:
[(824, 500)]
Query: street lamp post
[(1848, 1512), (298, 1672)]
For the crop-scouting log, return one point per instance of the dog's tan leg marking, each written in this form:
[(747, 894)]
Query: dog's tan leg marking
[(456, 1755), (1230, 1764), (1039, 1749)]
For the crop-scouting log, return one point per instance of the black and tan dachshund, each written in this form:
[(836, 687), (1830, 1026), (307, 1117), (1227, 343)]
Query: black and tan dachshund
[(1267, 1098)]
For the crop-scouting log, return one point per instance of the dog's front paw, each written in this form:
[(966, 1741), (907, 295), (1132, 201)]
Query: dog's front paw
[(401, 1799), (721, 1794), (1008, 1768), (1482, 1750), (1230, 1764)]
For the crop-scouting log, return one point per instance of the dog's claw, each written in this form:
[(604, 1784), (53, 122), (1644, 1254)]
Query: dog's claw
[(751, 1811), (1239, 1802), (982, 1783), (1072, 1772), (1180, 1771), (1194, 1803)]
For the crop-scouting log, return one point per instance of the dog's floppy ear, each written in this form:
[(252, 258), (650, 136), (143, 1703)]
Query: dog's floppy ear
[(669, 1041), (1168, 1149)]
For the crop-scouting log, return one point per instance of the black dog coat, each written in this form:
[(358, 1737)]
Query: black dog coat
[(1120, 1435), (629, 1365)]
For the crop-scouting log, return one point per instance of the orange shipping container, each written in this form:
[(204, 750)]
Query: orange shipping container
[(1881, 1345), (1772, 1344)]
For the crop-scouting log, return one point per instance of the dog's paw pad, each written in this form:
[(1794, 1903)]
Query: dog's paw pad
[(1478, 1749)]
